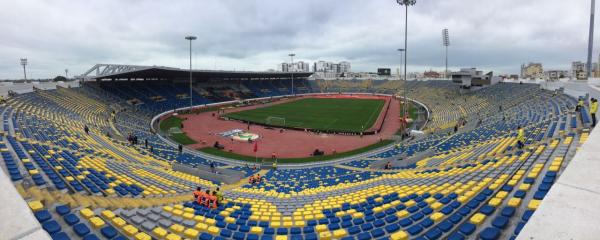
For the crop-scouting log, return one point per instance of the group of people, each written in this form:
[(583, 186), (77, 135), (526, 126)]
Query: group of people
[(254, 179), (132, 139), (207, 199)]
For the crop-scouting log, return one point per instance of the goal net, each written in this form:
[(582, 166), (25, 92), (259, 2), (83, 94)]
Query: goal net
[(275, 121), (174, 130)]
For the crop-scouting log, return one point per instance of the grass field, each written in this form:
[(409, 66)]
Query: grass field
[(175, 122), (220, 153), (326, 114)]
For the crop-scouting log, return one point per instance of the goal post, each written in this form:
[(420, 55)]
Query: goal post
[(275, 121)]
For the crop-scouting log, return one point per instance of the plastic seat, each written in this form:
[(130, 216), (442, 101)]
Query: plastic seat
[(489, 233), (456, 236), (81, 229), (467, 228), (60, 236), (108, 232), (414, 230), (51, 227), (500, 222), (42, 216), (62, 209)]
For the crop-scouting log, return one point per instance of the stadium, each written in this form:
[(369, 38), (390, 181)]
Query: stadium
[(99, 158), (139, 147)]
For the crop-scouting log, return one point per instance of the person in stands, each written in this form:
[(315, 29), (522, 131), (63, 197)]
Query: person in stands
[(520, 138), (201, 196), (579, 105), (388, 166), (593, 110), (257, 179), (251, 179), (197, 193), (219, 196), (212, 200), (205, 198)]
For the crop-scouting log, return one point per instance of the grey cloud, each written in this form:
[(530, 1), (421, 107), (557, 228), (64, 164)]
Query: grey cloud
[(256, 35)]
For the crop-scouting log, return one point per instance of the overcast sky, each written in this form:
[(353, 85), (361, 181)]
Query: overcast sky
[(494, 35)]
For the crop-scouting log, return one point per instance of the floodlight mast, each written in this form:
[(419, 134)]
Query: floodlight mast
[(446, 40), (191, 38), (405, 3), (24, 63), (291, 69)]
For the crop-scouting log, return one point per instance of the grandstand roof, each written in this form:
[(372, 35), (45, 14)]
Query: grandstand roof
[(118, 71)]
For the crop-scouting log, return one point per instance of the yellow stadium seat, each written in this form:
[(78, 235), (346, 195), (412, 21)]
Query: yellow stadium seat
[(176, 228), (256, 230), (403, 214), (436, 205), (143, 236), (191, 233), (172, 236), (495, 202), (325, 235), (108, 214), (229, 220), (119, 222), (130, 230), (321, 228), (437, 216), (210, 221), (35, 205), (514, 202), (502, 194), (281, 237), (96, 222), (188, 216), (86, 213), (160, 232), (213, 230), (201, 226), (340, 233), (533, 204), (400, 235), (477, 219), (524, 186)]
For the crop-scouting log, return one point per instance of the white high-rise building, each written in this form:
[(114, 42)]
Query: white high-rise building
[(299, 66)]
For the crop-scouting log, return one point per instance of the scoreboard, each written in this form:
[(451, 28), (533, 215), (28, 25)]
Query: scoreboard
[(384, 72)]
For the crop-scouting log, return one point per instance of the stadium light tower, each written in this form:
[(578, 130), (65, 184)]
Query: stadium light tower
[(405, 3), (401, 50), (24, 63), (591, 40), (191, 38), (292, 70), (446, 40)]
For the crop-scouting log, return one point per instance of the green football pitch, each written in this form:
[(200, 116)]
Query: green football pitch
[(326, 114)]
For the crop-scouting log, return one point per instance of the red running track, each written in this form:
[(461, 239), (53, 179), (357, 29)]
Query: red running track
[(204, 128)]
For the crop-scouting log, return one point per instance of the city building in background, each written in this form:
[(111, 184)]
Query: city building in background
[(299, 66), (468, 77), (578, 70), (532, 70), (555, 74)]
